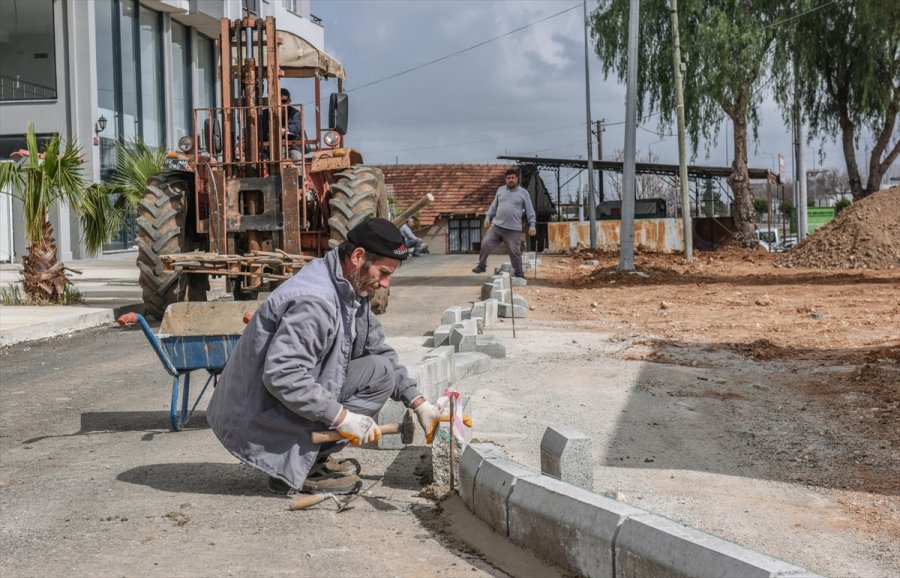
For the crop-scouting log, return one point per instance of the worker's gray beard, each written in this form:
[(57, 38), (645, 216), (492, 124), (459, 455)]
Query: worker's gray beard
[(355, 278)]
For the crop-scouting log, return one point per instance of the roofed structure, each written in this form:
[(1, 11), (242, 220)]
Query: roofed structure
[(458, 189)]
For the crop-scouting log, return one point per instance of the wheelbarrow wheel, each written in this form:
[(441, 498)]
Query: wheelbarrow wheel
[(357, 194), (161, 231)]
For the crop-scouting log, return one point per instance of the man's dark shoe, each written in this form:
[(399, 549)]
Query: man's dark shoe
[(332, 484), (519, 275), (479, 269), (332, 465)]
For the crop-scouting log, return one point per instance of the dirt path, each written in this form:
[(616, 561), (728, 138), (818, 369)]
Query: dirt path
[(755, 403)]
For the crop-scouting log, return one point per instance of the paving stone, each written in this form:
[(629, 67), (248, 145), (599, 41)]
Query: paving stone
[(566, 455), (445, 370), (452, 315), (467, 324), (471, 363), (503, 268), (501, 281), (650, 545), (493, 486), (565, 525), (506, 310), (473, 455), (463, 338), (429, 377), (441, 335), (501, 295), (392, 412), (487, 289), (485, 310), (520, 301), (491, 346), (519, 282)]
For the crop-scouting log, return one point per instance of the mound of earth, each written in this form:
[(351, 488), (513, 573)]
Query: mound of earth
[(865, 235)]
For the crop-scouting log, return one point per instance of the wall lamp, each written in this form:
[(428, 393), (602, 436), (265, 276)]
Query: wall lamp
[(100, 125)]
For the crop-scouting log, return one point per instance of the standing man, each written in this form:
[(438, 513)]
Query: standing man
[(413, 243), (505, 221), (313, 357)]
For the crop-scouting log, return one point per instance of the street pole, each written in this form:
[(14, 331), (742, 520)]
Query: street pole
[(600, 155), (592, 210), (626, 231), (682, 151)]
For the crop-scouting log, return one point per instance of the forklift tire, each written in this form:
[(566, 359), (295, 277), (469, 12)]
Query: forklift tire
[(161, 231), (357, 194)]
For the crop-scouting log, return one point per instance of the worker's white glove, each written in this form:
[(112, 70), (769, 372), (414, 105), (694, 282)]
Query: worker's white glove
[(359, 429), (487, 222), (429, 418), (532, 231)]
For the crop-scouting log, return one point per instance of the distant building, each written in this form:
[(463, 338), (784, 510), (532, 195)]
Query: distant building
[(463, 193), (105, 71)]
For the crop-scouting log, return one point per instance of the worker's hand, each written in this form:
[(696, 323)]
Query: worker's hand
[(487, 222), (359, 429), (430, 418), (532, 231)]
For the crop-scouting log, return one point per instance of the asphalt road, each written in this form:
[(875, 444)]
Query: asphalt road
[(92, 482)]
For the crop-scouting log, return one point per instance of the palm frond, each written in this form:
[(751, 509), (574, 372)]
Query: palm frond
[(99, 216), (136, 162)]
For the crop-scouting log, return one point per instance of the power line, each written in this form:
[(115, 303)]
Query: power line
[(795, 16), (458, 52)]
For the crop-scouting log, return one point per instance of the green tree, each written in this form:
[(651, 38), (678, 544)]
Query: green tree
[(39, 179), (725, 46), (847, 58)]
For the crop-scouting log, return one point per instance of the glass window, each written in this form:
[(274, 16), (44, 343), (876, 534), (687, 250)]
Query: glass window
[(181, 77), (105, 17), (206, 72), (152, 130), (28, 54), (127, 69)]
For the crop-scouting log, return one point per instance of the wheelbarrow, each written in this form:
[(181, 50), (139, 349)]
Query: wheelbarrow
[(194, 336)]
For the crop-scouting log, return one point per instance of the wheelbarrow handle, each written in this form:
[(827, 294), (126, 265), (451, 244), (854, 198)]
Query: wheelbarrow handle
[(132, 318), (127, 319)]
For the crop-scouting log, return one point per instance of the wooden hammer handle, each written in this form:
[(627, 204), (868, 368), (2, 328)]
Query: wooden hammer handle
[(321, 437), (304, 502)]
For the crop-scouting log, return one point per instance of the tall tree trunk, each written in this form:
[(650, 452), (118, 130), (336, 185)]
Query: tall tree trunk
[(847, 143), (739, 180), (877, 166), (43, 276)]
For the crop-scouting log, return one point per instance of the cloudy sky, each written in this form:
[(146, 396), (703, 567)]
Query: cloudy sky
[(523, 94)]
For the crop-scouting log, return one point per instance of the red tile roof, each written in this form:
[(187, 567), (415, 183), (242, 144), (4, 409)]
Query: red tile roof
[(458, 189)]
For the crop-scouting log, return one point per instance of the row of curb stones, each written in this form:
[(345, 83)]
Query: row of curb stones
[(589, 534), (459, 349)]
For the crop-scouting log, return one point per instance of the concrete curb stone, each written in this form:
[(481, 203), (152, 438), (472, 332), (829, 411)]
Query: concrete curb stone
[(493, 485), (570, 526)]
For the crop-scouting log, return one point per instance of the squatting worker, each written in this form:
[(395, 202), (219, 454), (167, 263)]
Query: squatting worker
[(313, 357), (505, 221)]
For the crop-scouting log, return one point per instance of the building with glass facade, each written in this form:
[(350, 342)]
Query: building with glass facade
[(106, 71)]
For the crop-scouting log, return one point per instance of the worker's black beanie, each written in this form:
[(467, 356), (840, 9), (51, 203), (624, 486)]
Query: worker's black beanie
[(379, 236)]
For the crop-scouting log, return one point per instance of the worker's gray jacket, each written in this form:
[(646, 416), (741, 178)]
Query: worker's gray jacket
[(285, 374), (508, 206)]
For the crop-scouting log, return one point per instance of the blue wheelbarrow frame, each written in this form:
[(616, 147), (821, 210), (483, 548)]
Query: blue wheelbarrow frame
[(182, 354)]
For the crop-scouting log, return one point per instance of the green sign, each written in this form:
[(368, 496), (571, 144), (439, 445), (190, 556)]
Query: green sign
[(815, 218)]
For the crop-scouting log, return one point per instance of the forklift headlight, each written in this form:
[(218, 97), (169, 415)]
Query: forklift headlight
[(331, 138), (186, 144)]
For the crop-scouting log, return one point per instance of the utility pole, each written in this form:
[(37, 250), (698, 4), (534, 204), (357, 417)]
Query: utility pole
[(682, 152), (626, 230), (592, 209), (600, 155)]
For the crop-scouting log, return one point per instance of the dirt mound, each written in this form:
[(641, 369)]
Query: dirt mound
[(865, 235)]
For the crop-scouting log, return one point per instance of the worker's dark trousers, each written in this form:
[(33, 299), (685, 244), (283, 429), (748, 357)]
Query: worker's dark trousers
[(367, 387), (511, 238)]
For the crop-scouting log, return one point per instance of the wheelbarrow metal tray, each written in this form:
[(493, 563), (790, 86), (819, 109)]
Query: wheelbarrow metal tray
[(190, 352)]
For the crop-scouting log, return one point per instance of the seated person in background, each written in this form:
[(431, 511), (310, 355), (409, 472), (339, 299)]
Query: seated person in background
[(413, 244), (292, 132)]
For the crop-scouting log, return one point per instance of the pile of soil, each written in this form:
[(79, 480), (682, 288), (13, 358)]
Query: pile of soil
[(865, 235)]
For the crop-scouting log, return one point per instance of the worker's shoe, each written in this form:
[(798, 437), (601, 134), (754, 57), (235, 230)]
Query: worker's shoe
[(332, 465), (331, 483), (479, 269), (520, 275)]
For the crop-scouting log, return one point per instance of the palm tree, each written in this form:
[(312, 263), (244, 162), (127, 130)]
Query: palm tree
[(39, 179)]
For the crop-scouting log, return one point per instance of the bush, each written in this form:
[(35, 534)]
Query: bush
[(841, 205)]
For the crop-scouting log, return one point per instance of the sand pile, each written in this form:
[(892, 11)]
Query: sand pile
[(865, 235)]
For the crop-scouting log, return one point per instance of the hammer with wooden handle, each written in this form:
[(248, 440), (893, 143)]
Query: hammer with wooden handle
[(406, 429)]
